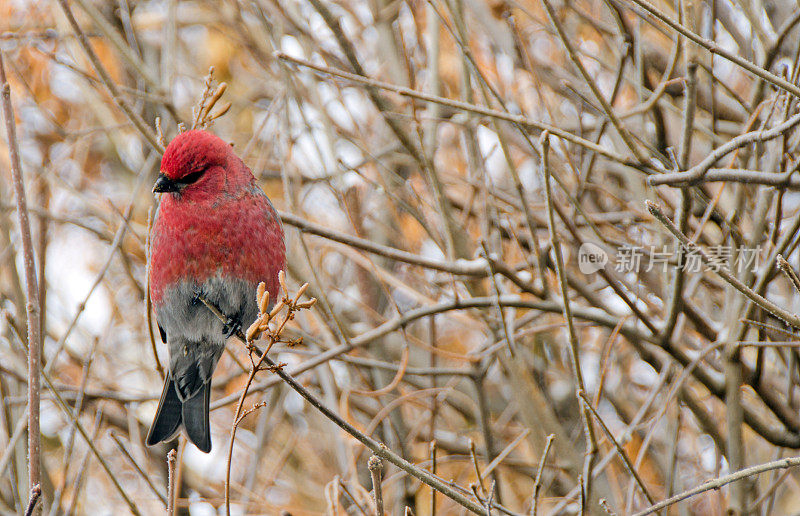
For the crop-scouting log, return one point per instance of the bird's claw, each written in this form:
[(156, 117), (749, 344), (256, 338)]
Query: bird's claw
[(232, 327), (198, 293)]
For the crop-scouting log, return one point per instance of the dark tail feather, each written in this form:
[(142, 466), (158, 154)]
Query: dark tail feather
[(168, 415), (195, 418)]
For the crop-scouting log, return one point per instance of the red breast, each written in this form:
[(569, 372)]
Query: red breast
[(221, 225)]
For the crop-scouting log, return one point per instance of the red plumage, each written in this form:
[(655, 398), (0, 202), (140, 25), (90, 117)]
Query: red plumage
[(215, 232)]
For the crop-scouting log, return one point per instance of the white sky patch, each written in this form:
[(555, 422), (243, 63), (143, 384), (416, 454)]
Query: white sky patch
[(529, 175), (350, 156), (269, 129), (725, 40), (277, 495), (404, 300), (51, 420), (293, 404), (319, 199), (568, 110), (69, 170), (341, 374), (183, 91), (708, 454), (335, 109), (311, 153), (349, 27), (60, 151), (194, 36), (362, 12), (430, 250), (33, 120), (291, 47), (489, 145), (102, 505), (505, 67), (561, 389), (197, 507), (316, 25), (140, 378), (614, 303), (30, 154), (236, 509), (525, 276), (590, 365), (643, 374), (64, 83), (356, 104), (589, 48), (349, 180), (212, 465), (405, 19), (131, 151), (346, 298), (791, 201), (370, 34), (290, 359), (72, 265)]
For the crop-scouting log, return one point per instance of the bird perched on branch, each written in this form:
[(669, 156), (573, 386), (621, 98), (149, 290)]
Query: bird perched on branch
[(215, 237)]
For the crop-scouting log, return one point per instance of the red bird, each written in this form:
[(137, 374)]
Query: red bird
[(216, 234)]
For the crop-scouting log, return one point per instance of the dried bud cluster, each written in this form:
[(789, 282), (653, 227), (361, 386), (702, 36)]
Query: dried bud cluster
[(266, 315), (202, 117)]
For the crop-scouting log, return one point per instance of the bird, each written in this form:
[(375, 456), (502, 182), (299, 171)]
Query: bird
[(215, 237)]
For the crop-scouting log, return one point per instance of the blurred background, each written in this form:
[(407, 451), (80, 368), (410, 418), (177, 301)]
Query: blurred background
[(402, 141)]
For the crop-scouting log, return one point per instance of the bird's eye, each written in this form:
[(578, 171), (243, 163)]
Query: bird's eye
[(191, 178)]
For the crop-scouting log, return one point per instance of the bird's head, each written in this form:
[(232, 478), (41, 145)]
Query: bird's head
[(189, 160)]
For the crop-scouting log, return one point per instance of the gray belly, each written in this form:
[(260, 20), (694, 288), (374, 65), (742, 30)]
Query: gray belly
[(196, 336), (181, 314)]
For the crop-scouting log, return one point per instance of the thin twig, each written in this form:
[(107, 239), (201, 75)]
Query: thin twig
[(607, 109), (375, 467), (463, 106), (620, 451), (697, 173), (433, 472), (148, 304), (32, 307), (574, 347), (36, 493), (90, 443), (377, 448), (537, 483), (787, 269), (134, 117), (138, 468), (171, 494), (714, 48), (474, 455), (722, 271), (503, 454), (717, 483)]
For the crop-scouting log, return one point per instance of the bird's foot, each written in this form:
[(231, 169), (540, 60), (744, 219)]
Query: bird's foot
[(232, 327), (198, 293)]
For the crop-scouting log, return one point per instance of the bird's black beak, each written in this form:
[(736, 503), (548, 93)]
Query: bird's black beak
[(165, 184)]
